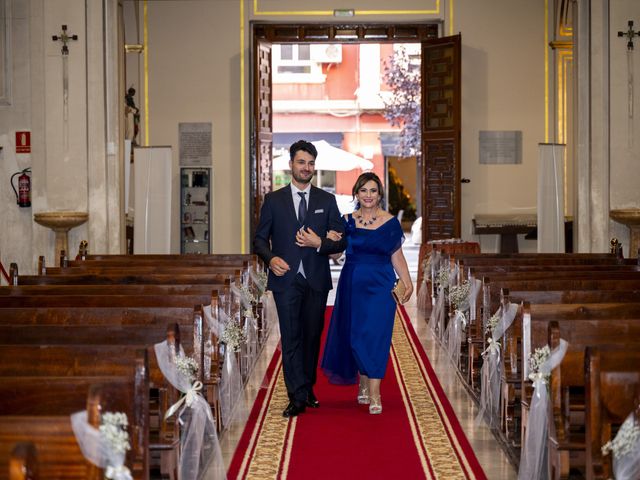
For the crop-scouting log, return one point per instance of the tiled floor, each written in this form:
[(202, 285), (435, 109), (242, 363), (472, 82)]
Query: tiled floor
[(489, 453)]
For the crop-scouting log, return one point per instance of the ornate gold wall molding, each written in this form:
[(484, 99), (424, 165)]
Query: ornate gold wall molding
[(257, 12)]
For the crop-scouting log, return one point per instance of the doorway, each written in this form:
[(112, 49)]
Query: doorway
[(439, 191)]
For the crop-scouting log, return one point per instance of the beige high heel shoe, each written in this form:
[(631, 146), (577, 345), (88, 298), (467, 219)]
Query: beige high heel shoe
[(375, 407), (363, 392)]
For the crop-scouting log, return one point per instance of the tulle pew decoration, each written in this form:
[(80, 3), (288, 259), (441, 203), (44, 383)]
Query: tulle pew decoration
[(199, 444), (230, 392), (534, 462), (106, 447), (462, 296), (491, 372)]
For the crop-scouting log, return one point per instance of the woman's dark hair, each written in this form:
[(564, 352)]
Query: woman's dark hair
[(305, 146), (364, 178)]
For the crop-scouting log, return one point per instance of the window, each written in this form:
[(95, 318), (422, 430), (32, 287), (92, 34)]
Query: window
[(292, 63)]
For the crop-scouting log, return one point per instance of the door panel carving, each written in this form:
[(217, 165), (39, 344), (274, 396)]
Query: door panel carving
[(441, 138), (262, 130)]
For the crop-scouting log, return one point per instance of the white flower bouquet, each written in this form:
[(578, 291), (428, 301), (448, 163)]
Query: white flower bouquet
[(492, 322), (113, 428), (233, 335), (187, 366), (536, 359), (442, 278), (459, 296), (625, 441), (248, 295)]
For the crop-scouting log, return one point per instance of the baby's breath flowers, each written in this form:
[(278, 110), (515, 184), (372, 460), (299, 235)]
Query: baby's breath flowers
[(188, 367), (459, 295), (113, 429), (233, 335), (442, 278), (247, 294), (492, 322), (536, 359), (626, 439)]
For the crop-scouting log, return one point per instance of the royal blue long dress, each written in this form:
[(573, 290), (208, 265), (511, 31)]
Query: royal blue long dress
[(359, 335)]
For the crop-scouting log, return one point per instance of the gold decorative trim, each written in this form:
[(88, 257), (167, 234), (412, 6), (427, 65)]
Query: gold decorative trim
[(145, 57), (425, 403), (134, 48), (329, 13), (407, 406), (243, 151), (561, 44), (450, 17), (546, 71), (565, 29), (564, 61), (272, 435)]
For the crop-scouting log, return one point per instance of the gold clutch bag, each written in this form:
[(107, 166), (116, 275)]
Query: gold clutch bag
[(398, 291)]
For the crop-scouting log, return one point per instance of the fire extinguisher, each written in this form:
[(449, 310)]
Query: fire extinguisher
[(23, 195)]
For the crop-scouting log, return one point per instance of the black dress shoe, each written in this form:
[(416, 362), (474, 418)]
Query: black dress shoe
[(293, 410), (312, 401)]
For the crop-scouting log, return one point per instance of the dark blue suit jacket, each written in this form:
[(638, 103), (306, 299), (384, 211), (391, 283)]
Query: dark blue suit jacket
[(276, 235)]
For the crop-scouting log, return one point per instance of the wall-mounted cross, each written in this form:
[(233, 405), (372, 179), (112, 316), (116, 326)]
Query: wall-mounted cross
[(64, 37), (630, 33)]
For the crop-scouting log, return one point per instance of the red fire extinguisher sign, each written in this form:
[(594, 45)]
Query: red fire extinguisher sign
[(23, 142)]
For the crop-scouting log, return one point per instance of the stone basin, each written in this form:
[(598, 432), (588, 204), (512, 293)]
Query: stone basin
[(631, 218), (626, 216), (61, 223)]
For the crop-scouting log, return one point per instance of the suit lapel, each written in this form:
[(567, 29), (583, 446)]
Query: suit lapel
[(314, 200), (288, 201)]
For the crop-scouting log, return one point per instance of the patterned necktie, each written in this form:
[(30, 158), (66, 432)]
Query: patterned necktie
[(302, 207)]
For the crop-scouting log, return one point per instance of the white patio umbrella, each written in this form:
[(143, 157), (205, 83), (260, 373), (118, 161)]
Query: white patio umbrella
[(329, 158)]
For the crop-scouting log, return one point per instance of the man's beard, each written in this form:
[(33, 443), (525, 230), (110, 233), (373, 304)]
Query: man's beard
[(300, 179)]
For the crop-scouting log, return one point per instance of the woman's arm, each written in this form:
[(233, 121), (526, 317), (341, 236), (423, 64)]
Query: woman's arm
[(400, 266)]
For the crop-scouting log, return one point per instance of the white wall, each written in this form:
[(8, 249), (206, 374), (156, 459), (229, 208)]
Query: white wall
[(624, 132), (502, 89)]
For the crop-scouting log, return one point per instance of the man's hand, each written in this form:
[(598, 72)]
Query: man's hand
[(278, 266), (305, 237)]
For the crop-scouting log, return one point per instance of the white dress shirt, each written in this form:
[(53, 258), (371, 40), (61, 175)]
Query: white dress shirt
[(296, 203)]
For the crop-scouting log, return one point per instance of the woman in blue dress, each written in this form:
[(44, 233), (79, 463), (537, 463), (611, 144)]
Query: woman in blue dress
[(359, 336)]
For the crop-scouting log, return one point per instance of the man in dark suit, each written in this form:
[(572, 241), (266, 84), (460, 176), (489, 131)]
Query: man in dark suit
[(291, 239)]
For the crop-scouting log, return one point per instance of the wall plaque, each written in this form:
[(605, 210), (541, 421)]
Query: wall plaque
[(195, 143), (500, 147)]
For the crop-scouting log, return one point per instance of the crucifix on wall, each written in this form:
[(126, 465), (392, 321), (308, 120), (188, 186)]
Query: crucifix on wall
[(65, 38), (630, 34)]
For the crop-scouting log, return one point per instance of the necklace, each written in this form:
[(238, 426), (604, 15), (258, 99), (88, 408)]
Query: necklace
[(364, 222)]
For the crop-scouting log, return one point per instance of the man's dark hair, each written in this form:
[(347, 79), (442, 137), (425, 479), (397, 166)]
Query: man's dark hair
[(305, 146)]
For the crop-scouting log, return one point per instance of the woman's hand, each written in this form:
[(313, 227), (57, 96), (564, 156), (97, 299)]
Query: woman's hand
[(333, 235), (408, 290), (305, 237)]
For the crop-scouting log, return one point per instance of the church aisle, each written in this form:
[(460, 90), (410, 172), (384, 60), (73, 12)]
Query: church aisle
[(488, 452), (337, 410)]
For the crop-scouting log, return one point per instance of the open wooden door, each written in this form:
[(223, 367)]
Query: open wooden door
[(262, 131), (441, 120)]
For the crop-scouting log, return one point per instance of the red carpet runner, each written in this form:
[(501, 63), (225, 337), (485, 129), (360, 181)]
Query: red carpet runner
[(416, 436)]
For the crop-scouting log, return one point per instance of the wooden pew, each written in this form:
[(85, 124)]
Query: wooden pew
[(23, 462), (29, 416), (567, 441), (492, 289), (612, 392), (580, 324), (130, 278)]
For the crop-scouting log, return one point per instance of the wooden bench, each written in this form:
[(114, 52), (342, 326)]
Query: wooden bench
[(28, 415), (567, 439), (612, 392)]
